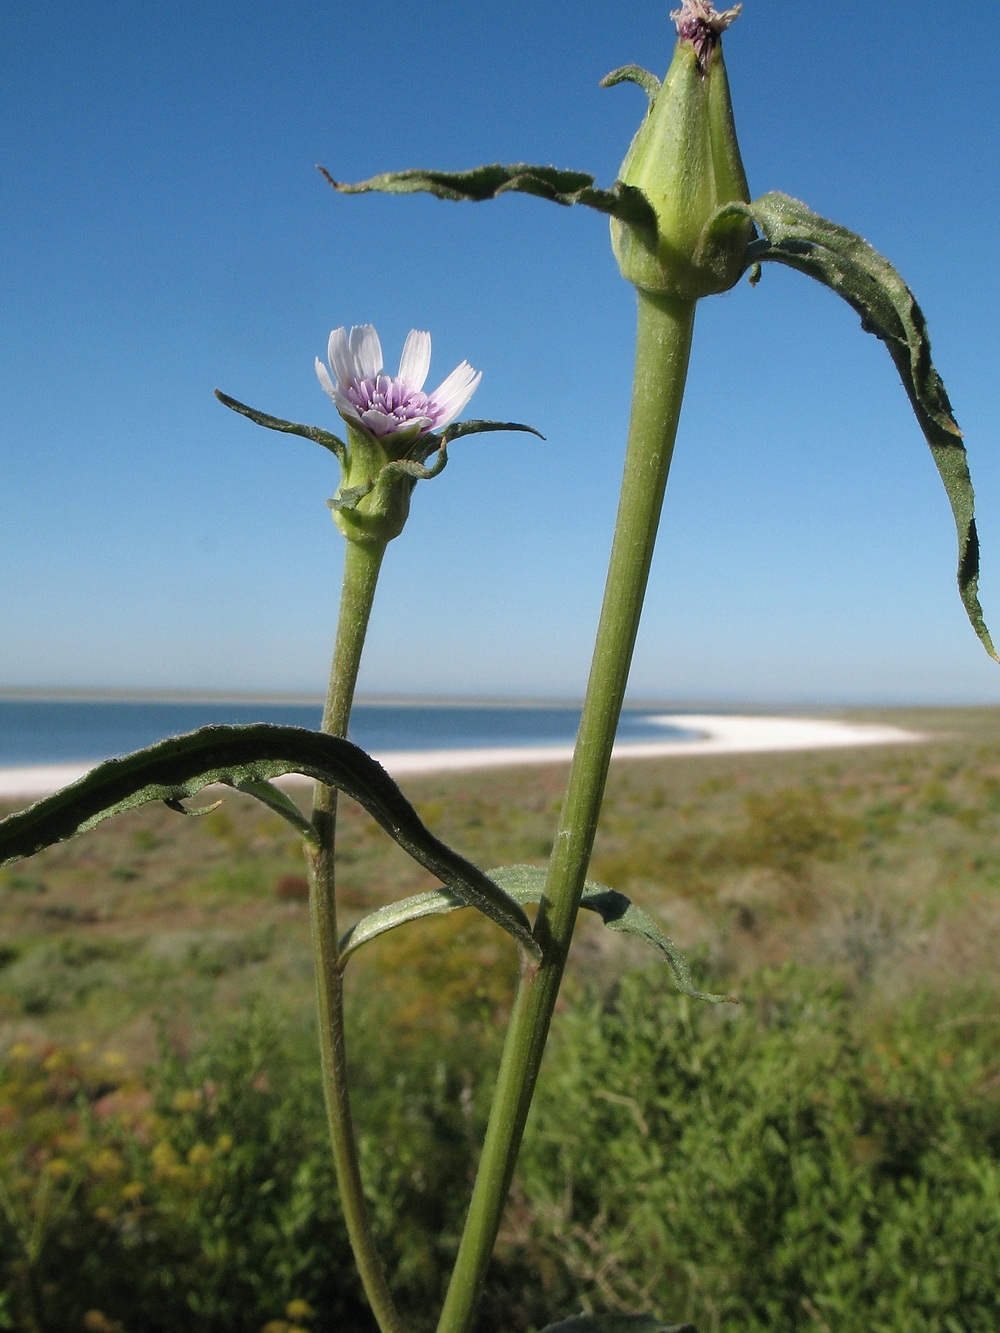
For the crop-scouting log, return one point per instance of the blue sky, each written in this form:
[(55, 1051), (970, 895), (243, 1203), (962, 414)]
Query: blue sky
[(165, 232)]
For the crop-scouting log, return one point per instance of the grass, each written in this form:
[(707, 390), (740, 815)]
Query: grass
[(823, 1156)]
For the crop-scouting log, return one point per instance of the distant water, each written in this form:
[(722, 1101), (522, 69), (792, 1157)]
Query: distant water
[(51, 732)]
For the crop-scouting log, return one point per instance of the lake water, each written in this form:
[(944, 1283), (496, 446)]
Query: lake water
[(56, 732)]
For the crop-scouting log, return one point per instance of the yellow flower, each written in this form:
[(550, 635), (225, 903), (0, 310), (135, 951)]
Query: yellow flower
[(106, 1163), (164, 1156)]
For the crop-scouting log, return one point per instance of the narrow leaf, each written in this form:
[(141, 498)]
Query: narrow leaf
[(436, 902), (242, 757), (459, 428), (649, 83), (848, 265), (526, 884), (323, 437), (624, 202)]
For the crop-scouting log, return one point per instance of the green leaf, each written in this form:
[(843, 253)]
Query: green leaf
[(282, 804), (436, 902), (459, 428), (649, 83), (526, 884), (347, 498), (244, 757), (848, 265), (616, 1323), (624, 202), (323, 437)]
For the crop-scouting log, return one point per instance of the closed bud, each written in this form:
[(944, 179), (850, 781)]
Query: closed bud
[(686, 161)]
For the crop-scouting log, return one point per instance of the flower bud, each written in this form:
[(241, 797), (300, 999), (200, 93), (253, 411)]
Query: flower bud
[(686, 161)]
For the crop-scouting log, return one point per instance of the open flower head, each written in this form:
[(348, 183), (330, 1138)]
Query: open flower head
[(392, 405)]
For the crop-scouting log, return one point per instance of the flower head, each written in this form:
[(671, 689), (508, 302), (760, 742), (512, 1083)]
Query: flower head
[(685, 160), (392, 404)]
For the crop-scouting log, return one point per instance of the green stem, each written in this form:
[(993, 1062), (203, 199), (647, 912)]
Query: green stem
[(362, 562), (663, 346)]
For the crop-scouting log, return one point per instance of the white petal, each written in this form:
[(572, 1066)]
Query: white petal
[(367, 350), (451, 396), (416, 359), (341, 361), (324, 378), (344, 406)]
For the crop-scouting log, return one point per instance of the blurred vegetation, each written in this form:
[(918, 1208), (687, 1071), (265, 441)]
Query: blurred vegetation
[(823, 1156)]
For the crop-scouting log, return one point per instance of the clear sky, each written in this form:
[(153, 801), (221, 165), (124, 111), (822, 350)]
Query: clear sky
[(165, 232)]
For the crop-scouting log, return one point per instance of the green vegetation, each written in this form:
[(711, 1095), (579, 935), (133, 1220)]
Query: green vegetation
[(826, 1155)]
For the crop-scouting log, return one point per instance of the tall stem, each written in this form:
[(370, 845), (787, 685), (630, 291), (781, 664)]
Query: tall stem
[(361, 568), (663, 347)]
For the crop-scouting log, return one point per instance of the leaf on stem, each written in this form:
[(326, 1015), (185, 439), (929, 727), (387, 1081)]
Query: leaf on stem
[(849, 266), (475, 427), (624, 202), (245, 757), (323, 437), (526, 884)]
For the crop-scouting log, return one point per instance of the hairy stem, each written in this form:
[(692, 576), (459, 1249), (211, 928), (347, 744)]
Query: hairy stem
[(361, 568), (662, 350)]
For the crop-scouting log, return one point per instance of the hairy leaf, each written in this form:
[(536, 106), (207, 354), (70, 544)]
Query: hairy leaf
[(848, 265), (525, 884), (435, 902), (459, 428), (649, 83), (243, 757), (624, 202), (323, 437), (618, 912)]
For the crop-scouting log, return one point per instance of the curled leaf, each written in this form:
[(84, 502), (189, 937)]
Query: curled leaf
[(649, 83), (459, 428), (848, 265), (526, 884), (244, 757)]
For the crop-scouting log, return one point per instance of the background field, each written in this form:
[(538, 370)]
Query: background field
[(822, 1156)]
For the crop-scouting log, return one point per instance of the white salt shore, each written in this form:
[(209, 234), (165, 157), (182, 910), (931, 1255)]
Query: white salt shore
[(717, 734)]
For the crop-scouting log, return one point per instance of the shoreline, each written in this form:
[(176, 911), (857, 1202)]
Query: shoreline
[(720, 734)]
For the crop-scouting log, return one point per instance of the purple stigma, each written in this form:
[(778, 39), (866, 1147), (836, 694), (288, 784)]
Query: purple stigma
[(702, 25)]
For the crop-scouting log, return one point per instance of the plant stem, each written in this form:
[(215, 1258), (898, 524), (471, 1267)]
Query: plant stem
[(362, 562), (663, 347)]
